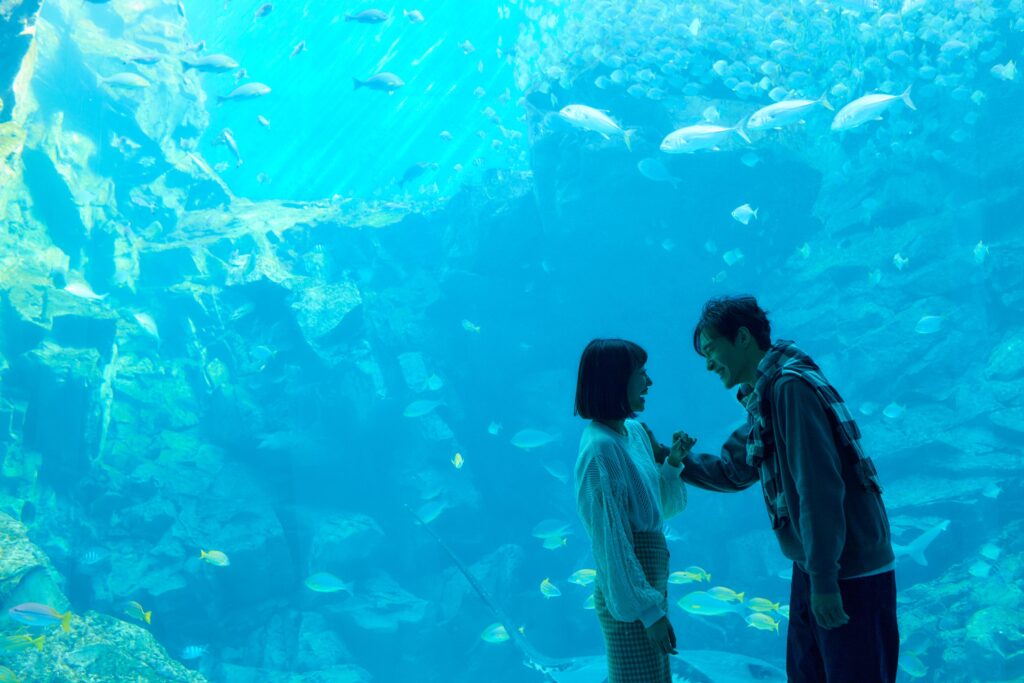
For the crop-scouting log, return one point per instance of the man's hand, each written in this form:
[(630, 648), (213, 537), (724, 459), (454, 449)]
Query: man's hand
[(662, 637), (828, 610)]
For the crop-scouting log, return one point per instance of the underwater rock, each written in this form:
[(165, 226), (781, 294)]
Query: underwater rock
[(961, 622), (343, 673), (318, 645), (381, 604), (320, 308), (17, 28), (97, 646), (497, 572), (341, 539), (1006, 361)]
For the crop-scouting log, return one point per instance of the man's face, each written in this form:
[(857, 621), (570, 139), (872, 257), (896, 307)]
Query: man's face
[(636, 389), (724, 358)]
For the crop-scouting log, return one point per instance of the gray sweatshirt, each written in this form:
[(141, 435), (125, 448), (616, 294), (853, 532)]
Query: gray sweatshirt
[(836, 529)]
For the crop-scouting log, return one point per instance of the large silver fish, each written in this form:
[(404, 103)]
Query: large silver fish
[(245, 92), (868, 108), (784, 113), (588, 118)]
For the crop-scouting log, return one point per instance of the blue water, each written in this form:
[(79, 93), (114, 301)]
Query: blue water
[(197, 355)]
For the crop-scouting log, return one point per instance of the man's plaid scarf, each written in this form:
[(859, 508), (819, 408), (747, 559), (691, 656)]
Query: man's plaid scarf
[(785, 358)]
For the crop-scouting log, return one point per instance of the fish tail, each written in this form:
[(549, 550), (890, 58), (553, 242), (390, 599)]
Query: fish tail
[(38, 642), (627, 137), (824, 101), (906, 98), (65, 621), (149, 617), (349, 17), (741, 131), (240, 162), (221, 99), (356, 82), (740, 596)]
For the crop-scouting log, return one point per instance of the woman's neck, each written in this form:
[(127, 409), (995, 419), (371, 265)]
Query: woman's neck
[(618, 426)]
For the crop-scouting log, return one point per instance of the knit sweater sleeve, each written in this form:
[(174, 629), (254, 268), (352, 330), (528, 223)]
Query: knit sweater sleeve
[(627, 593), (670, 484)]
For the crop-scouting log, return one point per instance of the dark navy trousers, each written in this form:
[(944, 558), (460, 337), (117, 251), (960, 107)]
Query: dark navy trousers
[(865, 650)]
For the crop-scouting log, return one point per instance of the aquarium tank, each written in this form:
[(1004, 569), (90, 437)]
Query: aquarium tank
[(293, 294)]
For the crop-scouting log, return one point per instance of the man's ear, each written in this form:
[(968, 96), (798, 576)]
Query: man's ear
[(743, 337)]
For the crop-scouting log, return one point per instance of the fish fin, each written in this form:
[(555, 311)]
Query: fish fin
[(627, 137), (823, 100), (149, 617), (740, 130), (65, 621), (906, 98), (357, 83), (240, 162), (38, 642)]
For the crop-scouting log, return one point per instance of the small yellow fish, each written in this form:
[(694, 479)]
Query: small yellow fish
[(726, 594), (685, 577), (20, 642), (762, 605), (458, 461), (548, 589), (214, 557), (555, 542), (135, 609), (583, 577), (682, 577), (762, 622), (704, 576), (495, 633)]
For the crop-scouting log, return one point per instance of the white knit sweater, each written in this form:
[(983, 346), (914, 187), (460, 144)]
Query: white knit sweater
[(620, 489)]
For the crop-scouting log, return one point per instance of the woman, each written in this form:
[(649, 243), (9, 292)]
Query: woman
[(623, 495)]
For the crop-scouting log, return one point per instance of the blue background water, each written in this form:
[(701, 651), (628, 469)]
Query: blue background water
[(298, 318)]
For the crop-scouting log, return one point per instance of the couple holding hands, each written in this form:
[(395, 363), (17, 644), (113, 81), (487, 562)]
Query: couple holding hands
[(820, 489)]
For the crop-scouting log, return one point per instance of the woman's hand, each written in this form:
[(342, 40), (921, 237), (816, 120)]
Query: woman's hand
[(662, 637), (681, 445)]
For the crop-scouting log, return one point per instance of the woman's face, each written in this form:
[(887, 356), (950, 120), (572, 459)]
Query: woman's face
[(636, 389)]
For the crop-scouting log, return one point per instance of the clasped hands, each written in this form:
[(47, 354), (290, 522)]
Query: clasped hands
[(682, 443)]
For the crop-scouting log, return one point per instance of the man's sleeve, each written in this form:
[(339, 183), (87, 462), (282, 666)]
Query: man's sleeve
[(726, 472)]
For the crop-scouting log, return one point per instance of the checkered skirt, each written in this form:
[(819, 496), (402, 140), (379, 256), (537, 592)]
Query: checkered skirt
[(631, 657)]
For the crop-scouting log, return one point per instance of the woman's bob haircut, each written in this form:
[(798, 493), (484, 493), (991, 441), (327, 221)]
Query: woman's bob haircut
[(601, 385)]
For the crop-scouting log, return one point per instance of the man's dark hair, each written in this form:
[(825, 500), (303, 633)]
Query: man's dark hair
[(724, 316), (601, 384)]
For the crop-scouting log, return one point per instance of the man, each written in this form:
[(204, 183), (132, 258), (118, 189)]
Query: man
[(822, 494)]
